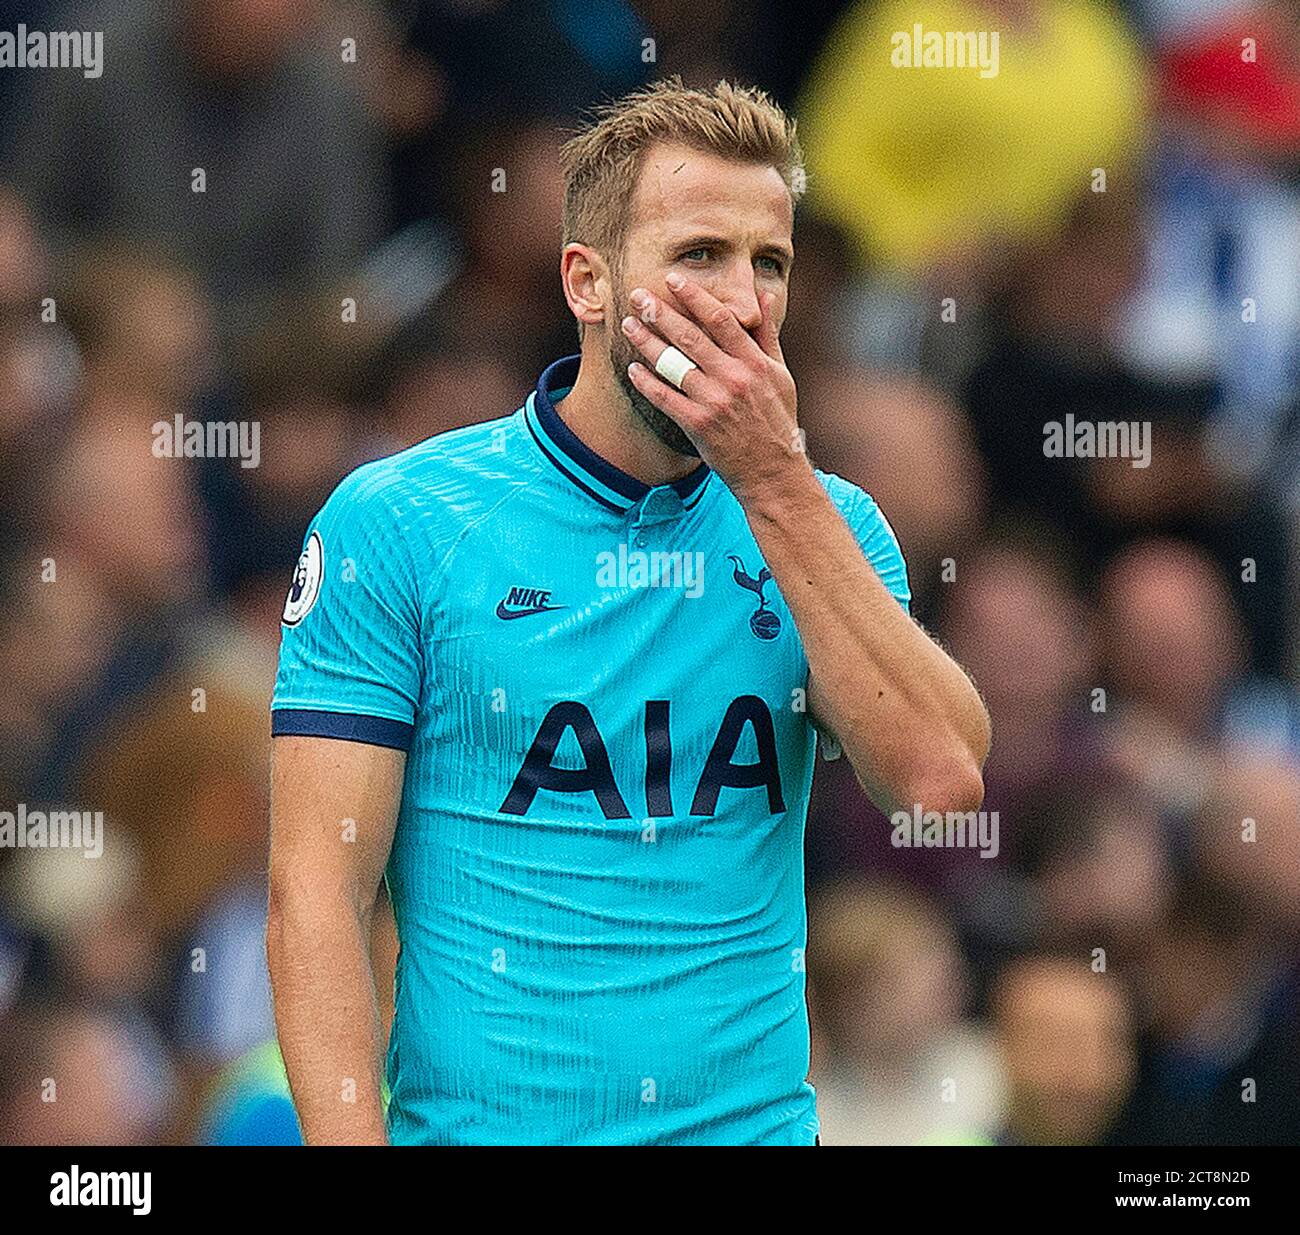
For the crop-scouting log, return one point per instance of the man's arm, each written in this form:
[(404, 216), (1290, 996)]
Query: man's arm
[(910, 721), (333, 812)]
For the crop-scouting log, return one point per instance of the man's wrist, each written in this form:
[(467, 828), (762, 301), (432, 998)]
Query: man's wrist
[(781, 495)]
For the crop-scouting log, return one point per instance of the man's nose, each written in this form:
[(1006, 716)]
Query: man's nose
[(741, 297)]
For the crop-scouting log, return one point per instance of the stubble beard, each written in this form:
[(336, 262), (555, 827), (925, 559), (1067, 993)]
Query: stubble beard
[(621, 354)]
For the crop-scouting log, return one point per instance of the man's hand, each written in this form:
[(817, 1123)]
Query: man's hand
[(910, 721), (738, 406)]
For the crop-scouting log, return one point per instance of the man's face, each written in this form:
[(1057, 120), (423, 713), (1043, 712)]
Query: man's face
[(723, 224)]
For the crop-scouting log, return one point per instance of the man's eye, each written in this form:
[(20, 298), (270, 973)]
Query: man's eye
[(696, 255), (777, 265)]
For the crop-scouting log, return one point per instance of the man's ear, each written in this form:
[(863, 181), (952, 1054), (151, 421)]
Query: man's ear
[(585, 277)]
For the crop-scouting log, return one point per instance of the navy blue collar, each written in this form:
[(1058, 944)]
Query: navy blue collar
[(595, 476)]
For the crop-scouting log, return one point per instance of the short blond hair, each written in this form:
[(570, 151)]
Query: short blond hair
[(601, 163)]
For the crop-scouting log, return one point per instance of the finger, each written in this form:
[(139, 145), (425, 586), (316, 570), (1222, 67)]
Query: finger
[(769, 332), (695, 383), (681, 331), (664, 395), (721, 323)]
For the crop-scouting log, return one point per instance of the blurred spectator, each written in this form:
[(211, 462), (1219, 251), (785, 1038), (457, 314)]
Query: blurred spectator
[(1246, 837), (1179, 651), (510, 196), (38, 360), (1015, 618), (898, 1063), (74, 1075), (251, 92), (940, 171), (120, 542), (190, 784), (1052, 359), (224, 1003), (1066, 1038), (89, 911), (1222, 1030), (1175, 640), (1216, 303), (142, 323), (1095, 859), (910, 447)]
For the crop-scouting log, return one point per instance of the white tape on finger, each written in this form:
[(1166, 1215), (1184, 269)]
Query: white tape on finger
[(674, 365)]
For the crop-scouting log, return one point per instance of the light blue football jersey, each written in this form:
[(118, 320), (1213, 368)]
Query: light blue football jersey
[(597, 872)]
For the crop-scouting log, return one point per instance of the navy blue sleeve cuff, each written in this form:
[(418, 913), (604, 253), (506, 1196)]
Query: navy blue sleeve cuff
[(346, 726)]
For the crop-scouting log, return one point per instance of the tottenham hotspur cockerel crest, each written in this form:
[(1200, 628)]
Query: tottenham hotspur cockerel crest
[(762, 622)]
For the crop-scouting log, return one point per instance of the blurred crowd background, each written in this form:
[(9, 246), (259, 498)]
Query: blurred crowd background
[(1109, 229)]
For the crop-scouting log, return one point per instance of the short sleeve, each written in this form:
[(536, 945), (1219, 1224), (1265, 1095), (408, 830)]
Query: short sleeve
[(351, 663), (875, 536)]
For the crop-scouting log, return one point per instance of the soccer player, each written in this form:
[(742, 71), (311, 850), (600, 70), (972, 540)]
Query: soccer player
[(557, 679)]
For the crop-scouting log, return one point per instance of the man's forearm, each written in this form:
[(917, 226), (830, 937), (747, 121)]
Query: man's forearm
[(327, 1017), (910, 721)]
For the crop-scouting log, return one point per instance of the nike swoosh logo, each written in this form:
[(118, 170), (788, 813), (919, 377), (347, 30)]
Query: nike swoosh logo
[(506, 614)]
